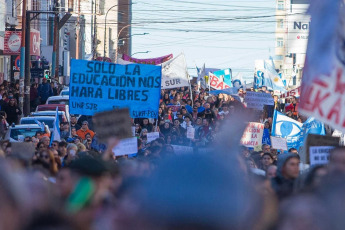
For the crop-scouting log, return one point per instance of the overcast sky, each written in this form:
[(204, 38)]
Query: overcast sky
[(221, 34)]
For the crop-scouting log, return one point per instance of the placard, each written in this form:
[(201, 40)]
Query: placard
[(279, 143), (319, 140), (256, 100), (152, 136), (190, 132), (126, 147), (23, 150), (101, 86), (180, 149), (252, 135), (319, 155), (115, 123)]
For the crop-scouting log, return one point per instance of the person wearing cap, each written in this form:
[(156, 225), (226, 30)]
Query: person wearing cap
[(84, 130), (287, 173)]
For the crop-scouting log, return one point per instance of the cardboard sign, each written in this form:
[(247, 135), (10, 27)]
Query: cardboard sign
[(279, 143), (180, 149), (319, 140), (115, 123), (319, 155), (256, 100), (190, 132), (101, 86), (292, 93), (152, 136), (126, 147), (23, 150), (252, 135)]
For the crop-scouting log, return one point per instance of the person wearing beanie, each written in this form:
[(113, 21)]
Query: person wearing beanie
[(287, 173)]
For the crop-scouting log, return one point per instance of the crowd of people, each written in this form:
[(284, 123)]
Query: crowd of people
[(79, 183)]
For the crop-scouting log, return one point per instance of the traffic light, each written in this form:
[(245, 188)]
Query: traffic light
[(46, 74)]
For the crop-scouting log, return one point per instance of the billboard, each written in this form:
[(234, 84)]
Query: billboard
[(12, 42), (298, 33)]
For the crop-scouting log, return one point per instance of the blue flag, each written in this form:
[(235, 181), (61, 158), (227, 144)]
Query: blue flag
[(56, 129), (311, 126), (266, 138), (286, 127), (225, 75)]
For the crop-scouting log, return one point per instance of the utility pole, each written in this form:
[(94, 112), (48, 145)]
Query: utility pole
[(22, 58), (27, 79), (55, 61)]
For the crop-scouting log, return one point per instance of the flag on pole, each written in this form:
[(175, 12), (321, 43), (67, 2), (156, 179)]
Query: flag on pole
[(56, 128), (174, 73), (272, 78), (40, 124), (286, 127), (201, 77), (225, 75)]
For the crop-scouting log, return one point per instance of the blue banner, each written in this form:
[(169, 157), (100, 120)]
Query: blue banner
[(101, 86), (266, 138)]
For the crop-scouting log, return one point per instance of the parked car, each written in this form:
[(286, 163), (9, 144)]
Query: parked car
[(64, 92), (52, 107), (47, 120), (58, 100), (62, 115), (14, 132)]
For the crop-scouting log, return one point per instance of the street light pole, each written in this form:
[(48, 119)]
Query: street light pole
[(117, 41), (140, 53), (105, 30)]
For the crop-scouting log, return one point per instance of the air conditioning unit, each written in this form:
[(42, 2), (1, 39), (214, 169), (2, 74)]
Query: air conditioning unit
[(11, 21)]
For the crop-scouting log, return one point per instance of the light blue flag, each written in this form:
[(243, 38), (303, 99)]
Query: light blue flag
[(225, 75), (286, 127), (56, 128), (272, 79), (266, 138), (40, 124), (311, 126), (258, 79)]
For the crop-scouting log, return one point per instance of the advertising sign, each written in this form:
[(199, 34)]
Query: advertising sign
[(35, 42), (12, 42)]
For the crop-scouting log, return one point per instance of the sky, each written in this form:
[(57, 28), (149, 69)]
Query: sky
[(221, 34)]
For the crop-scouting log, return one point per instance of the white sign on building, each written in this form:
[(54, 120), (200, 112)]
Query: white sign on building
[(298, 29)]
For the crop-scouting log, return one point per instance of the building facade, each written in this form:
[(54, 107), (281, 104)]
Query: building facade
[(292, 30)]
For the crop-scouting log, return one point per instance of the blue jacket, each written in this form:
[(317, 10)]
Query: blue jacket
[(45, 91)]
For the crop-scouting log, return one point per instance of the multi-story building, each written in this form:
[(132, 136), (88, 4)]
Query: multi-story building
[(292, 29)]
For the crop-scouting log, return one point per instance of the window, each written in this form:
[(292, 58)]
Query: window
[(280, 5), (280, 42), (280, 24), (279, 57)]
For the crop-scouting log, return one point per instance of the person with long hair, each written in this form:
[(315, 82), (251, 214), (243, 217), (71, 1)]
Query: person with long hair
[(13, 112)]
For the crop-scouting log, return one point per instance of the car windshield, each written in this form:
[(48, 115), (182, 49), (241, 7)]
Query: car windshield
[(65, 93), (26, 132), (63, 102), (48, 122), (61, 116)]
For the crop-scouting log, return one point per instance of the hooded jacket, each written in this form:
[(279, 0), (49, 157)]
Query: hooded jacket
[(282, 186)]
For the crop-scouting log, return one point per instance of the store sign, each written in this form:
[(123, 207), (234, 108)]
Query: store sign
[(35, 43), (12, 42)]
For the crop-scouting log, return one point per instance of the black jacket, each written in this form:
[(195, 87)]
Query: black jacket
[(12, 114)]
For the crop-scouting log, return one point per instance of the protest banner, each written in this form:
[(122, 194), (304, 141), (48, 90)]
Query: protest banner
[(319, 155), (126, 147), (279, 143), (152, 136), (100, 86), (323, 81), (252, 135), (256, 100), (217, 83), (174, 108), (174, 73), (150, 61), (319, 140), (225, 75), (181, 149), (190, 132), (292, 93), (115, 123)]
